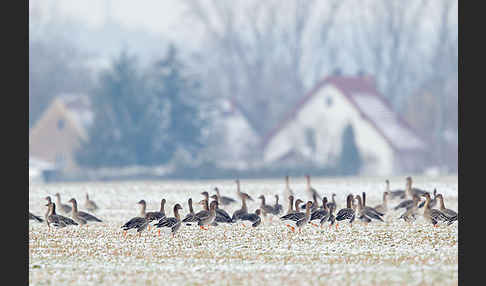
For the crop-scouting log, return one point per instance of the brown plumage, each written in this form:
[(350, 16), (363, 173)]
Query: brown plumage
[(80, 216), (55, 219), (62, 207)]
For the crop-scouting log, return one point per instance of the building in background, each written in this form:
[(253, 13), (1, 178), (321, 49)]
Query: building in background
[(55, 137), (312, 131)]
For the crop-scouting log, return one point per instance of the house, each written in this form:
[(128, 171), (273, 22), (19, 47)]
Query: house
[(237, 139), (57, 134), (312, 130)]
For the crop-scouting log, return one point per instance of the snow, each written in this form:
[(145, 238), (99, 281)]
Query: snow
[(380, 253)]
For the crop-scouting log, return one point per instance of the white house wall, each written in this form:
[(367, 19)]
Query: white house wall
[(328, 123)]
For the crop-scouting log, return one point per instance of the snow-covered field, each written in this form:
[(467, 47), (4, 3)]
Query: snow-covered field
[(390, 253)]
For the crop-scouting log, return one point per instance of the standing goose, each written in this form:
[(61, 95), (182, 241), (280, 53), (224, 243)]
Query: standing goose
[(433, 202), (221, 214), (301, 219), (265, 209), (366, 214), (79, 216), (138, 223), (332, 203), (191, 216), (208, 219), (277, 208), (57, 220), (34, 217), (223, 200), (331, 218), (254, 218), (383, 208), (410, 214), (240, 193), (322, 214), (310, 189), (400, 194), (173, 222), (294, 216), (448, 212), (370, 209), (90, 205), (347, 212), (152, 216), (244, 209), (62, 207), (434, 215), (290, 209), (288, 191), (411, 191)]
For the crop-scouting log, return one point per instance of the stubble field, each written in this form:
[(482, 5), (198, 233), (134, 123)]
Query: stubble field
[(390, 253)]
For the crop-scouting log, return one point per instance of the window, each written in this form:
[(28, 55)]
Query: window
[(60, 124)]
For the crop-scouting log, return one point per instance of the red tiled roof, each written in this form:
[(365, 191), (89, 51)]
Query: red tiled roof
[(362, 94)]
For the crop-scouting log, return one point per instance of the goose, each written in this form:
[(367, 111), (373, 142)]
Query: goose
[(152, 216), (410, 214), (411, 191), (173, 222), (80, 216), (366, 213), (297, 214), (435, 215), (62, 207), (433, 202), (383, 208), (34, 217), (244, 209), (207, 219), (138, 223), (240, 193), (300, 219), (290, 209), (448, 212), (310, 189), (348, 212), (332, 203), (223, 200), (221, 214), (56, 220), (321, 214), (370, 209), (277, 208), (265, 209), (400, 194), (90, 205), (287, 191), (254, 218), (191, 216)]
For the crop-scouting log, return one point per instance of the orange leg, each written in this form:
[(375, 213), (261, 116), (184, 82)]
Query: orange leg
[(158, 232), (149, 227), (124, 233), (313, 224)]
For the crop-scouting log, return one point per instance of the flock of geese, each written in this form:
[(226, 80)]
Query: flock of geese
[(318, 210)]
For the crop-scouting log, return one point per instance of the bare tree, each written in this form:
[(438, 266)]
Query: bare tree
[(260, 52)]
